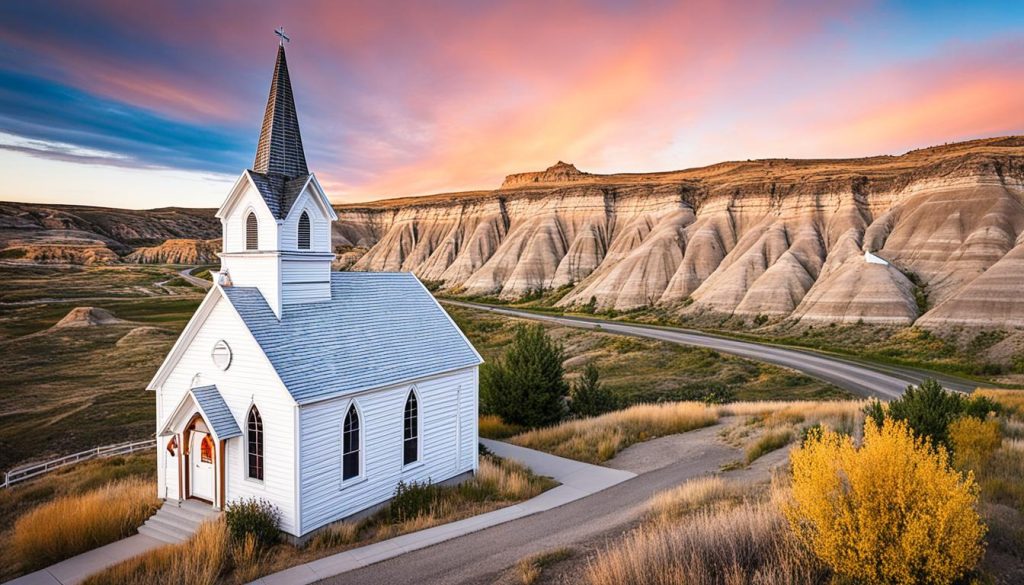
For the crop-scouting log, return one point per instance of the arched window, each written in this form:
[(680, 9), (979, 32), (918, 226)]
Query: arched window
[(350, 445), (304, 231), (206, 450), (252, 232), (412, 430), (255, 435)]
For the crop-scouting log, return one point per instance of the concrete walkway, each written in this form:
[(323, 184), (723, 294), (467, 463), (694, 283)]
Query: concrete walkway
[(76, 569), (578, 481)]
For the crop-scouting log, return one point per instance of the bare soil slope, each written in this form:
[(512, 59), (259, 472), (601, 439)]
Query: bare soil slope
[(782, 238)]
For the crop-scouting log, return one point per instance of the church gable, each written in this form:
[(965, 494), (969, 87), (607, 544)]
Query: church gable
[(314, 232)]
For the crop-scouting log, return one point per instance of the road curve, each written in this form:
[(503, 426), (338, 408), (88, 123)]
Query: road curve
[(195, 280), (869, 380)]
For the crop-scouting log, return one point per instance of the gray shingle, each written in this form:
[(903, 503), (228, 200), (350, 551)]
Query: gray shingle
[(279, 151), (216, 412), (279, 193), (378, 329)]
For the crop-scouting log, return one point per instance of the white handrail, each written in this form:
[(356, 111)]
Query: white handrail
[(19, 474)]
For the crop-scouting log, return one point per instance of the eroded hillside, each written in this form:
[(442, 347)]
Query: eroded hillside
[(73, 234), (768, 237)]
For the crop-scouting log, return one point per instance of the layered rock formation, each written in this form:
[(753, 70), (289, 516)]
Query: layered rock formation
[(178, 251), (783, 238), (70, 234)]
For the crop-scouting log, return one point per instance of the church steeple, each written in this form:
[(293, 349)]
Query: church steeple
[(279, 151), (277, 218)]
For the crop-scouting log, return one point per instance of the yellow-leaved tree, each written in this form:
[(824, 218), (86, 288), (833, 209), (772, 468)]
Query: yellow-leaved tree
[(889, 511), (974, 442)]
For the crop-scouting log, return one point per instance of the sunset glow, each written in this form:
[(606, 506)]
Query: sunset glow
[(144, 104)]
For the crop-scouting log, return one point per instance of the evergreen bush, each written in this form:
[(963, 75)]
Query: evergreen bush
[(526, 386), (589, 396), (254, 516)]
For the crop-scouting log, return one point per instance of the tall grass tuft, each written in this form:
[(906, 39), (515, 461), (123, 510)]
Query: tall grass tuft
[(490, 426), (744, 544), (200, 560), (599, 438), (770, 441), (73, 524), (692, 496)]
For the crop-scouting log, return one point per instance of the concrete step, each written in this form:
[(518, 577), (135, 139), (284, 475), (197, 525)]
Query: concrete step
[(172, 525), (200, 508), (177, 521), (158, 534), (187, 513)]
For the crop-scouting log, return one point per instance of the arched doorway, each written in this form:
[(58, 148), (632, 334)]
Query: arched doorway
[(201, 461)]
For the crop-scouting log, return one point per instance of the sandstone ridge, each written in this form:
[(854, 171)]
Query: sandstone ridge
[(781, 238)]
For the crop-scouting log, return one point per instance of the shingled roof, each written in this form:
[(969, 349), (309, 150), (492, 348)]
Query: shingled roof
[(280, 170), (379, 329)]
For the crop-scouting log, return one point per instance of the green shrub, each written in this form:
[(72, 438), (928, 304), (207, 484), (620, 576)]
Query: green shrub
[(981, 406), (706, 393), (412, 499), (527, 385), (254, 516), (928, 410), (1017, 364), (875, 412), (589, 396), (812, 432)]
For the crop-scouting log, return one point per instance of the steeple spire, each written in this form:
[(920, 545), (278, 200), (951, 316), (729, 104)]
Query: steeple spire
[(280, 147)]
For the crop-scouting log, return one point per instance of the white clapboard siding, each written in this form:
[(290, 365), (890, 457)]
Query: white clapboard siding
[(250, 379), (234, 224), (324, 498), (260, 271), (319, 226), (305, 281)]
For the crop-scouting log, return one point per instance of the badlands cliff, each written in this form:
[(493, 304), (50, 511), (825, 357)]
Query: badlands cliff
[(76, 234), (781, 238)]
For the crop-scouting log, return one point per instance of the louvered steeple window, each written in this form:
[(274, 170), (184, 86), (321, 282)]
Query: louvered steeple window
[(304, 231)]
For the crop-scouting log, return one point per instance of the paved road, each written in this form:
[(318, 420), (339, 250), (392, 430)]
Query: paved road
[(481, 556), (880, 381), (200, 282)]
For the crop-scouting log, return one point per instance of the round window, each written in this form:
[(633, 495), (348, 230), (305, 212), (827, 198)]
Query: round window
[(221, 355)]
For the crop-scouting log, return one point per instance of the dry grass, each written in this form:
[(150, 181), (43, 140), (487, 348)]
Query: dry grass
[(509, 480), (694, 495), (769, 441), (492, 427), (599, 438), (498, 483), (744, 544), (840, 415), (201, 560), (247, 558), (530, 568), (1012, 400), (73, 524)]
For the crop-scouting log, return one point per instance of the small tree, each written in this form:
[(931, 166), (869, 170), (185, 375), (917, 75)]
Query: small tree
[(891, 511), (928, 410), (527, 386), (589, 396)]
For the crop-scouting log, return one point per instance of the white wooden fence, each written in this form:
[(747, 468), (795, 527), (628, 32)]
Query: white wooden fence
[(24, 472)]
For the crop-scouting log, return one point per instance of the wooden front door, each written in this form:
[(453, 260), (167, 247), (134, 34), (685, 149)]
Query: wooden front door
[(201, 474)]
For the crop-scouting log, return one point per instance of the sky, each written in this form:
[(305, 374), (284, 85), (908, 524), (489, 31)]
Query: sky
[(145, 104)]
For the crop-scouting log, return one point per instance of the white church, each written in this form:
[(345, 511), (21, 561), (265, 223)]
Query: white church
[(316, 390)]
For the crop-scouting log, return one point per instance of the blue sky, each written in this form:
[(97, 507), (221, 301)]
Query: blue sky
[(146, 104)]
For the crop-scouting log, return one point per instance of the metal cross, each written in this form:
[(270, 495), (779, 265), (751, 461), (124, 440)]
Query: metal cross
[(280, 32)]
